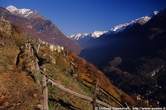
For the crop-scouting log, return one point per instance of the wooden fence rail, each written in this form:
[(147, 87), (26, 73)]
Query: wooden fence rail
[(84, 97), (69, 91)]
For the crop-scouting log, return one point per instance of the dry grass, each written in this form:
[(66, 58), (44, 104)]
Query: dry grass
[(18, 91)]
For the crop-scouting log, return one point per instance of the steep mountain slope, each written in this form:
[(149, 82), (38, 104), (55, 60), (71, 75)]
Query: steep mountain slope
[(20, 78), (38, 26), (134, 58)]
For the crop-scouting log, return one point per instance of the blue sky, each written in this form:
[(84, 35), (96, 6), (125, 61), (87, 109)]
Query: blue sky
[(73, 16)]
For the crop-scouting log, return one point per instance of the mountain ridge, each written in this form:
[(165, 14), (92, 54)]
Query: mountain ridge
[(38, 26), (114, 29), (21, 12)]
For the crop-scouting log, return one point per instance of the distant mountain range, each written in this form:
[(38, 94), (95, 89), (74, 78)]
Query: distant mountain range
[(114, 29), (36, 25), (132, 55)]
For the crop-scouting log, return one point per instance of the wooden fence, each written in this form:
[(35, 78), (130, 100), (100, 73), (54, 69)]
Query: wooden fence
[(93, 100)]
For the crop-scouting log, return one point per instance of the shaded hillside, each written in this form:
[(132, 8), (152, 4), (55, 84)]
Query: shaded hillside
[(134, 58), (38, 26), (20, 84)]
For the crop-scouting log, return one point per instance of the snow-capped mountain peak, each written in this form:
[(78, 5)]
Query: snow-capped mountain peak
[(94, 35), (11, 8), (78, 36), (97, 34), (22, 12), (121, 27), (155, 12)]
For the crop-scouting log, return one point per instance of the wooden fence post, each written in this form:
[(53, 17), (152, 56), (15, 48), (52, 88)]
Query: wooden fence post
[(44, 84), (45, 93), (94, 104)]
